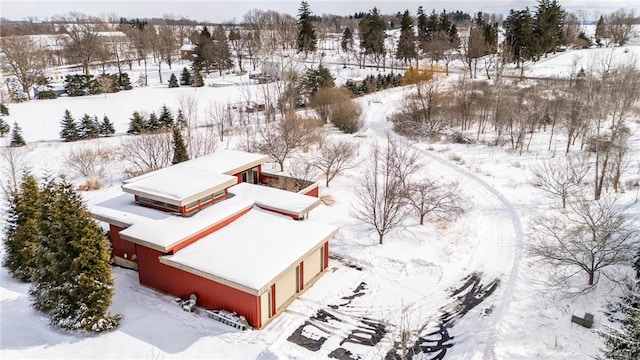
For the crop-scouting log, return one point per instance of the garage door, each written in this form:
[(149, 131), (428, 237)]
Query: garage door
[(286, 287), (312, 265)]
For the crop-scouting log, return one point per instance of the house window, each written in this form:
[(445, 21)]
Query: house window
[(250, 176)]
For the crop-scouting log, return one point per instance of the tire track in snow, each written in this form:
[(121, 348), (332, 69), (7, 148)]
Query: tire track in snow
[(377, 123)]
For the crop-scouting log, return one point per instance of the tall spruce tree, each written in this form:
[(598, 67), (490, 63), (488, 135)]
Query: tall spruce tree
[(549, 26), (601, 30), (4, 127), (406, 50), (16, 136), (179, 148), (307, 40), (22, 233), (185, 77), (76, 288), (181, 120), (346, 43), (69, 131), (372, 35), (519, 35), (153, 124), (221, 54), (106, 127), (173, 81), (137, 124), (89, 127), (166, 118)]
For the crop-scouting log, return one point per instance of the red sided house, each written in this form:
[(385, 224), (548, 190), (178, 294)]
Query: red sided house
[(210, 227)]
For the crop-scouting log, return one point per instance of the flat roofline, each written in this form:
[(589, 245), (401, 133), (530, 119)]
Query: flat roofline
[(169, 247), (300, 213), (181, 202), (247, 166), (167, 261)]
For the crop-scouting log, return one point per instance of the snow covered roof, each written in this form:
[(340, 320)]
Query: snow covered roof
[(163, 231), (179, 185), (188, 47), (229, 162), (111, 34), (264, 245), (275, 199)]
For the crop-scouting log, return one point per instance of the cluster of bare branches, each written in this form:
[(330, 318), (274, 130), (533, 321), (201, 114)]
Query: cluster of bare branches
[(391, 190), (589, 237)]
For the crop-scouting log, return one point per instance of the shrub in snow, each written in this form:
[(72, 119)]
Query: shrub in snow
[(4, 109), (4, 128), (173, 81), (185, 77), (16, 136)]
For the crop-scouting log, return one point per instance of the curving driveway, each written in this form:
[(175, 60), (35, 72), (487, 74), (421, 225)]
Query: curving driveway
[(499, 230)]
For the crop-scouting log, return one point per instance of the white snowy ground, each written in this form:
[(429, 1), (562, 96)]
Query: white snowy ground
[(411, 274)]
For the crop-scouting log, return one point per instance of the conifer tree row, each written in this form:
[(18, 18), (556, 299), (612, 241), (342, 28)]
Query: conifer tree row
[(52, 242)]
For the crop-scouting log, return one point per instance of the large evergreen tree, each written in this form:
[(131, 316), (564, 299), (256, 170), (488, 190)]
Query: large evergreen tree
[(166, 118), (137, 125), (221, 54), (16, 136), (106, 127), (69, 131), (173, 81), (307, 41), (153, 124), (549, 26), (185, 77), (204, 51), (372, 35), (22, 229), (89, 127), (406, 50), (346, 43), (179, 148), (4, 127), (519, 35), (601, 30), (74, 284)]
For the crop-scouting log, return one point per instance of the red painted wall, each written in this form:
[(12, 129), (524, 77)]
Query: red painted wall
[(211, 295), (120, 247), (313, 192)]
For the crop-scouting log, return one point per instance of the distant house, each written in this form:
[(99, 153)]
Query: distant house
[(187, 51), (280, 67), (212, 227)]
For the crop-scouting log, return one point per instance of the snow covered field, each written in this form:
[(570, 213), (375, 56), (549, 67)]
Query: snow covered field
[(475, 269)]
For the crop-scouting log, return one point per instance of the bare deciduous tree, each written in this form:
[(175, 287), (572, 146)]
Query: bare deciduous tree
[(84, 42), (23, 58), (589, 237), (220, 117), (280, 139), (379, 200), (85, 162), (334, 157), (147, 152), (438, 199), (201, 141), (619, 25), (417, 114), (13, 165), (561, 177)]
